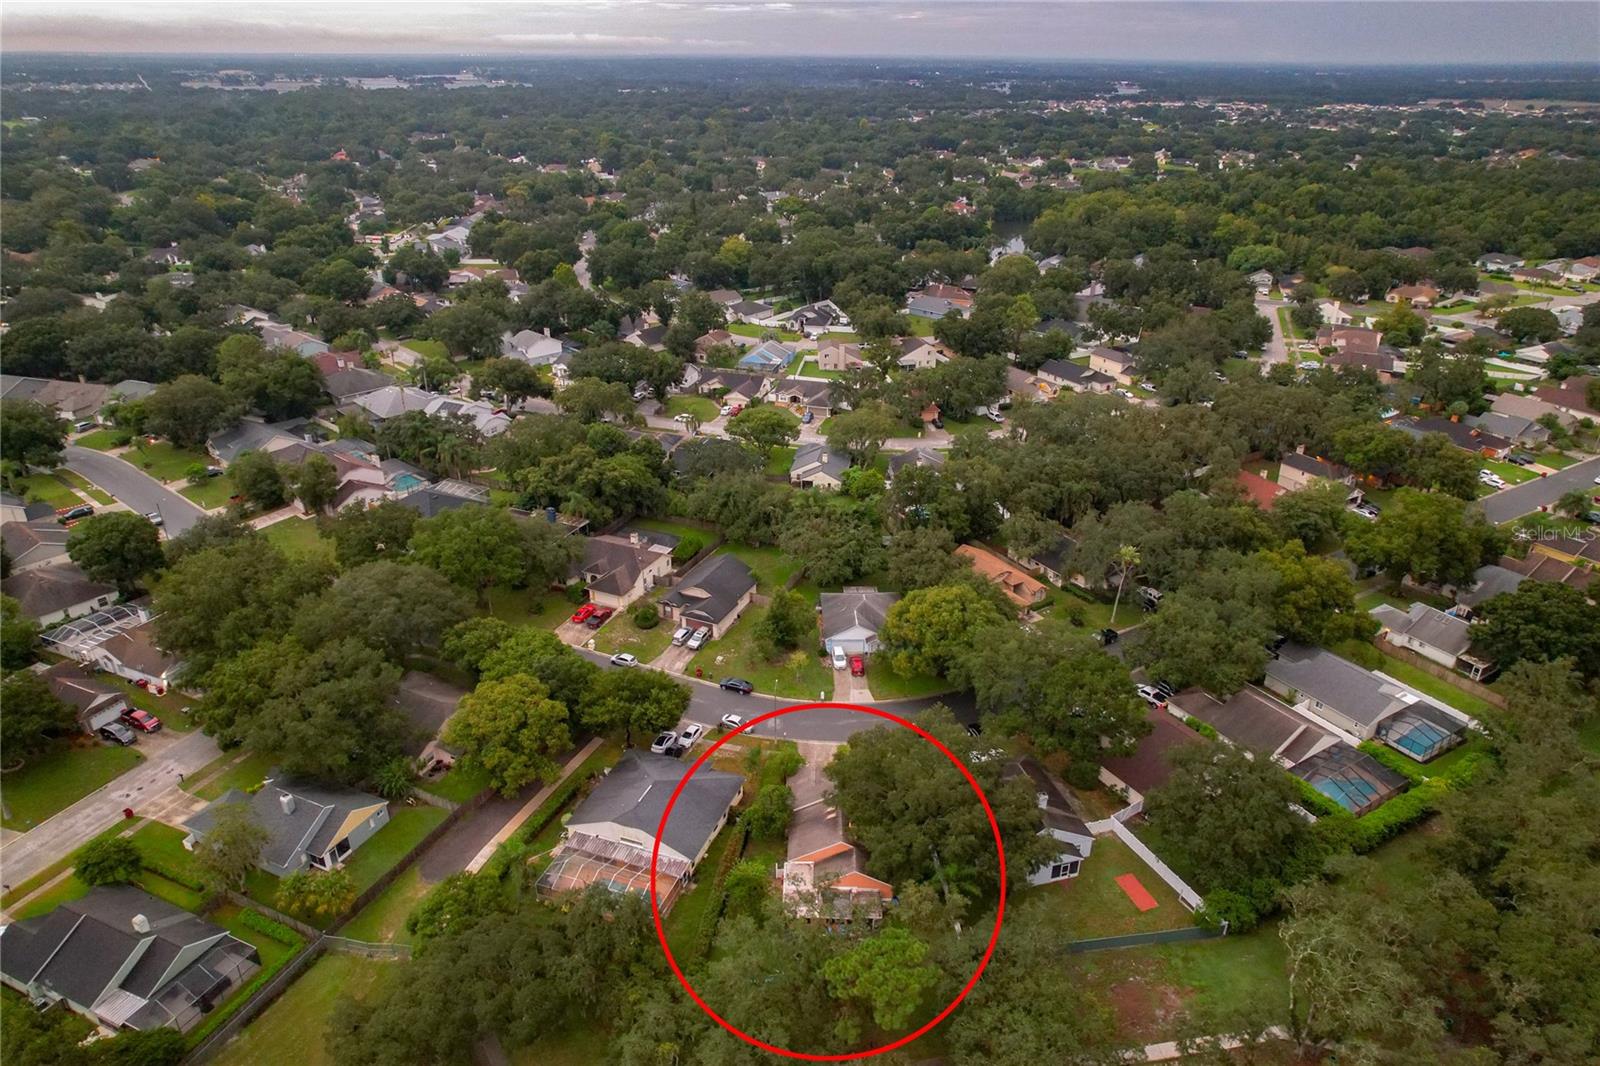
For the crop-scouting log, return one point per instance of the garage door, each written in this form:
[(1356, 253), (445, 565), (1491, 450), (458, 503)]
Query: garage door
[(104, 716)]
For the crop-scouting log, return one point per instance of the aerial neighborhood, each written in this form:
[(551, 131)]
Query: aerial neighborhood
[(427, 497)]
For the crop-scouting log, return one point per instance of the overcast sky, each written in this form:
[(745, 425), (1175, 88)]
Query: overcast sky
[(1278, 32)]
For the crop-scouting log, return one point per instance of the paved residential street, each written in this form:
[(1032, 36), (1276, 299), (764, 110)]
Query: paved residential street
[(1277, 349), (143, 788), (132, 486), (1531, 495)]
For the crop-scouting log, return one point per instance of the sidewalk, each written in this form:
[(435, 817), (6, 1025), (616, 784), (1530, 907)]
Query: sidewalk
[(533, 804)]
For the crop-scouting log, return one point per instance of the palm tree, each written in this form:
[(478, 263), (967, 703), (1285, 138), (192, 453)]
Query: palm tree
[(1127, 562)]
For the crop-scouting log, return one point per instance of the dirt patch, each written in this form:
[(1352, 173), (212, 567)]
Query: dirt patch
[(1147, 1008)]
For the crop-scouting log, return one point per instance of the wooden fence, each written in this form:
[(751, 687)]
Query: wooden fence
[(1443, 673)]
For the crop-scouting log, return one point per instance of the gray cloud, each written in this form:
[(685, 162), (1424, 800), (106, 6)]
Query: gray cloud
[(1307, 32)]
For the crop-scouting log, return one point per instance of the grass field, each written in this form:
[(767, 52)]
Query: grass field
[(163, 461), (703, 408), (887, 684), (620, 634), (433, 348), (103, 440), (47, 488), (809, 369), (211, 493), (459, 784), (1511, 472), (383, 920), (299, 538), (1094, 905), (1438, 688), (801, 673), (52, 782), (1556, 460), (524, 607), (745, 329), (779, 461), (298, 1020), (772, 568)]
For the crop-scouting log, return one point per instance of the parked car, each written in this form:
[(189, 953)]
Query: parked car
[(681, 634), (1592, 517), (143, 721), (75, 513), (1166, 688), (154, 518), (683, 417), (599, 617), (731, 722), (117, 733), (1107, 637), (83, 427), (858, 666), (807, 418), (726, 410), (664, 742), (622, 658), (1519, 459), (214, 471), (1147, 386), (738, 684), (1490, 478), (1126, 395), (1310, 364), (995, 416), (839, 660), (938, 423), (1366, 510), (737, 408), (582, 613), (690, 734), (698, 638), (1151, 695)]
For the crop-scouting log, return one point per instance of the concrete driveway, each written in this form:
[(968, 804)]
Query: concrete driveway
[(147, 788), (134, 487), (1529, 496)]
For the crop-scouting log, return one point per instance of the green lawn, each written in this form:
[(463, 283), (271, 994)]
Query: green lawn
[(524, 607), (977, 427), (49, 783), (103, 440), (1094, 905), (771, 567), (384, 919), (299, 538), (82, 486), (162, 848), (47, 488), (887, 684), (683, 922), (809, 369), (168, 708), (802, 673), (676, 529), (621, 634), (407, 826), (1438, 688), (246, 775), (779, 462), (1513, 474), (921, 327), (459, 784), (163, 461), (274, 955), (432, 348), (1556, 460), (746, 329), (703, 408), (295, 1026), (211, 493)]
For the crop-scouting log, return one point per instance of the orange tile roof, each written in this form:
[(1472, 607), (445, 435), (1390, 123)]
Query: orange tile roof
[(1013, 581)]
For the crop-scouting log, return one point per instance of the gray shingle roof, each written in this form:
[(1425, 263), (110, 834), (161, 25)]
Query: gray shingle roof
[(712, 589), (811, 460), (636, 791), (45, 590), (1429, 625), (307, 830), (1251, 720), (852, 608)]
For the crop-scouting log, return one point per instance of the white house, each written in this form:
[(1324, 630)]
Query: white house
[(1059, 823), (851, 619)]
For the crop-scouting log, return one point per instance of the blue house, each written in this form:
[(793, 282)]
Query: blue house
[(768, 356)]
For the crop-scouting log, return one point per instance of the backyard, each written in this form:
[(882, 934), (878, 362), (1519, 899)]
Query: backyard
[(299, 538), (384, 919), (524, 607), (299, 1018), (1094, 905), (51, 782)]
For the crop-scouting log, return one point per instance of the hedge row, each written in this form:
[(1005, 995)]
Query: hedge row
[(252, 919), (1200, 727), (188, 881), (719, 892)]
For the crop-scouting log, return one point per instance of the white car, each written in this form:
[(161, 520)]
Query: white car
[(682, 634), (731, 722), (154, 518), (665, 742), (1310, 364), (840, 660), (697, 639), (1147, 386), (690, 734), (1126, 395), (684, 417), (1151, 695), (622, 658), (1597, 481), (726, 410), (1490, 478)]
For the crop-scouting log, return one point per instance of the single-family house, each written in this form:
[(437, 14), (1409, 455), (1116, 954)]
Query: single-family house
[(824, 874), (1252, 720), (768, 357), (611, 836), (1055, 563), (724, 298), (485, 418), (1583, 270), (935, 307), (1025, 387), (1415, 295), (1262, 280), (345, 376), (735, 386), (1569, 318), (535, 347), (75, 401), (927, 457), (1058, 822), (51, 594), (752, 312), (1349, 339), (814, 466), (1386, 363), (1530, 407), (1463, 435), (278, 335), (1434, 635), (1020, 588), (802, 394), (1113, 362), (308, 826), (1570, 397), (1574, 550), (1500, 262), (1515, 428), (1298, 471), (1540, 566), (1488, 581), (1135, 776), (617, 570), (1334, 313), (815, 319), (712, 595), (33, 538), (838, 356), (851, 619), (920, 353), (1064, 374), (95, 702), (1360, 703), (125, 959)]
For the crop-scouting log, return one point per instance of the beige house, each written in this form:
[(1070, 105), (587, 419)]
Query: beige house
[(617, 570), (1113, 362), (838, 356), (1299, 471)]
